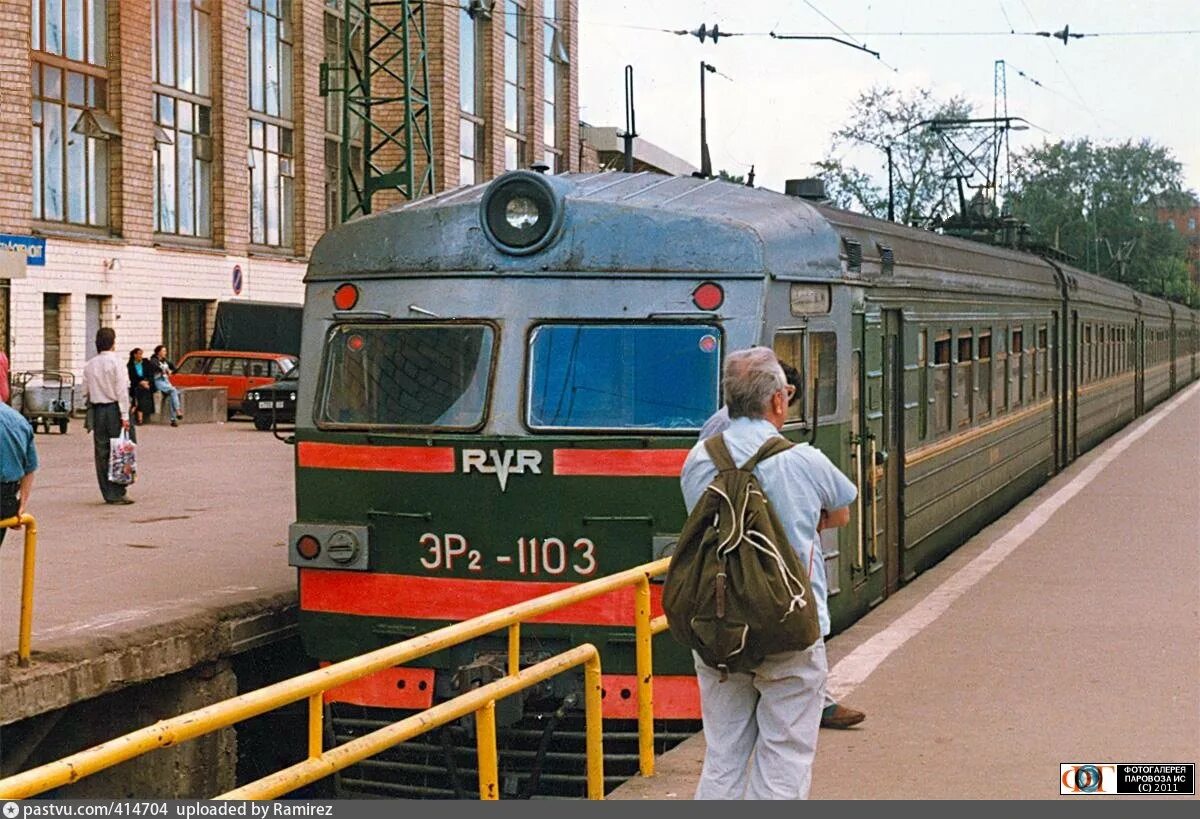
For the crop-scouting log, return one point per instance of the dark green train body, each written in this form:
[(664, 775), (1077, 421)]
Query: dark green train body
[(500, 385)]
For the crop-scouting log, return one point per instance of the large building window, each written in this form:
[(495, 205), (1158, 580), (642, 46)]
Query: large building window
[(183, 117), (470, 99), (269, 29), (554, 57), (335, 36), (516, 84), (71, 125)]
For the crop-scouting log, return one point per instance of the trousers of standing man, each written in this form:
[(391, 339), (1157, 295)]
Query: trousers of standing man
[(770, 717), (106, 425)]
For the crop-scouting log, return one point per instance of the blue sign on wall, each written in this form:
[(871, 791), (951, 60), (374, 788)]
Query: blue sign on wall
[(35, 248)]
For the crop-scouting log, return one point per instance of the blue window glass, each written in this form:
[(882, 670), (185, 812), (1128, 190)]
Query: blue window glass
[(643, 376)]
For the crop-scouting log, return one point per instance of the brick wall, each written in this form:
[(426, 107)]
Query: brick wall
[(16, 156), (131, 99), (231, 128), (309, 106)]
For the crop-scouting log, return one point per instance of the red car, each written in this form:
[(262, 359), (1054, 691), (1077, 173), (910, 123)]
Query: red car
[(234, 370)]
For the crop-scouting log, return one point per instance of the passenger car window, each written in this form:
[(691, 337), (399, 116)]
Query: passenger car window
[(256, 369), (789, 348)]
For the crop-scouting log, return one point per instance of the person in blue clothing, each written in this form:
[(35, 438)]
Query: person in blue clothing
[(18, 462), (761, 727), (834, 714)]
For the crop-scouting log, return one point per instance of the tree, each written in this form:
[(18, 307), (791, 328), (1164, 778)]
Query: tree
[(1098, 203), (728, 177), (883, 117)]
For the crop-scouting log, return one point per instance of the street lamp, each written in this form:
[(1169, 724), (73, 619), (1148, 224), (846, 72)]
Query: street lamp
[(705, 159)]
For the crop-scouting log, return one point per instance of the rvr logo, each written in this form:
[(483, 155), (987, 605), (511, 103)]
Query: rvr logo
[(502, 463)]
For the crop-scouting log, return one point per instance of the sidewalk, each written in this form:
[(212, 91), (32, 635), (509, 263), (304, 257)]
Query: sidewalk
[(1080, 645), (132, 591)]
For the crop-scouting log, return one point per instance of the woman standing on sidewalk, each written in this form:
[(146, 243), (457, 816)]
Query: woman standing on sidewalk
[(160, 378), (141, 394)]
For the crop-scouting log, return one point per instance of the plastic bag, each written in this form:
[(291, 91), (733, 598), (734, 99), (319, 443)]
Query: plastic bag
[(122, 459)]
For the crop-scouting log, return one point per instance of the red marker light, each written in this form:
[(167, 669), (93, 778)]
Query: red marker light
[(708, 296), (355, 343), (345, 297), (308, 547)]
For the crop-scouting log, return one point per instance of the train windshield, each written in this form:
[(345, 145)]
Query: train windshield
[(407, 375), (623, 376)]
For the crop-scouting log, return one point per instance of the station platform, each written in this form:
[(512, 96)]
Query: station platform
[(1066, 632), (194, 570)]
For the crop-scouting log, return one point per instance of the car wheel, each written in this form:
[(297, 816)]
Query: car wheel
[(262, 422)]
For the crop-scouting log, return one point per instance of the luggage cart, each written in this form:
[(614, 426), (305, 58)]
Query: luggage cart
[(45, 397)]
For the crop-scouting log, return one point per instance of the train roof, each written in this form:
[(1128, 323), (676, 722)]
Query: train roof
[(614, 222), (654, 224)]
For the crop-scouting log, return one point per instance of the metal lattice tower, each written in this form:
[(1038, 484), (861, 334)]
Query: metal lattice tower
[(1000, 114), (386, 117)]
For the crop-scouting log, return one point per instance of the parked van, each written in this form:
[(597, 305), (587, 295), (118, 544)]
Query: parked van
[(235, 370)]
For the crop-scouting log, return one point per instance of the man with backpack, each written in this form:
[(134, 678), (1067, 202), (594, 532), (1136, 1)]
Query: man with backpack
[(752, 606), (834, 714)]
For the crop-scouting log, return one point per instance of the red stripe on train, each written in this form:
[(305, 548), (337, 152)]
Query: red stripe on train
[(390, 688), (438, 459), (450, 598), (616, 463), (675, 697)]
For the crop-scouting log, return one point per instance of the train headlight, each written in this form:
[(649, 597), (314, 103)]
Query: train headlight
[(522, 212)]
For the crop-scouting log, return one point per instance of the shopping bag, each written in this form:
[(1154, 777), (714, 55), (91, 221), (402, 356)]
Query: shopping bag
[(122, 459)]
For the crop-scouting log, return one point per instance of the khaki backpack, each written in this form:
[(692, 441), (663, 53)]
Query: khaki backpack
[(736, 590)]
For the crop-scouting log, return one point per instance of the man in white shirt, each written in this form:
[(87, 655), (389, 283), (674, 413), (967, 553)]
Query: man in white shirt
[(106, 390)]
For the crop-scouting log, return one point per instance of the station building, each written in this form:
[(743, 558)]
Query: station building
[(160, 156)]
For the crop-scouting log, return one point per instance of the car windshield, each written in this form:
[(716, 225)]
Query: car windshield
[(628, 376), (407, 375)]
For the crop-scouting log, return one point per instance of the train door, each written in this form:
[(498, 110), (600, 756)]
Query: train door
[(891, 457), (1139, 356), (880, 453), (867, 411), (1054, 359), (1072, 442)]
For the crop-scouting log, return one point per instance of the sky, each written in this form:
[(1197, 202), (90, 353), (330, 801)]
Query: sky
[(780, 101)]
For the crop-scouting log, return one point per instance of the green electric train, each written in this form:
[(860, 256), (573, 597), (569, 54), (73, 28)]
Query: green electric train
[(501, 384)]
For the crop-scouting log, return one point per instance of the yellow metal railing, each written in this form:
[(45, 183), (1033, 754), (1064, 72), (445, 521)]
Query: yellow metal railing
[(25, 628), (312, 685)]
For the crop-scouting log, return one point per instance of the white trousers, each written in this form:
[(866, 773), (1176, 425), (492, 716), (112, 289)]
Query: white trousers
[(761, 728)]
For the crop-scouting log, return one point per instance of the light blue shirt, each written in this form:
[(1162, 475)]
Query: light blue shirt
[(17, 455), (799, 483)]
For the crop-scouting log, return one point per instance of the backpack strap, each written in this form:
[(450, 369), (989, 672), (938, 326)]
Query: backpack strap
[(719, 452), (772, 446)]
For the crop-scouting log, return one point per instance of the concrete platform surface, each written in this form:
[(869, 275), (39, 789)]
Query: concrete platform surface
[(195, 567), (1068, 631)]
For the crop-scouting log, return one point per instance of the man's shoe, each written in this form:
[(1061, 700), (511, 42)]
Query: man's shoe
[(174, 423), (120, 501), (839, 716)]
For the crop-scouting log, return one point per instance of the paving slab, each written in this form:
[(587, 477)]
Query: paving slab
[(1082, 645), (194, 569)]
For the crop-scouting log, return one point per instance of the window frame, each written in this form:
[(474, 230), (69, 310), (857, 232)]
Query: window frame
[(283, 120), (322, 392), (93, 70), (475, 119), (520, 135)]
